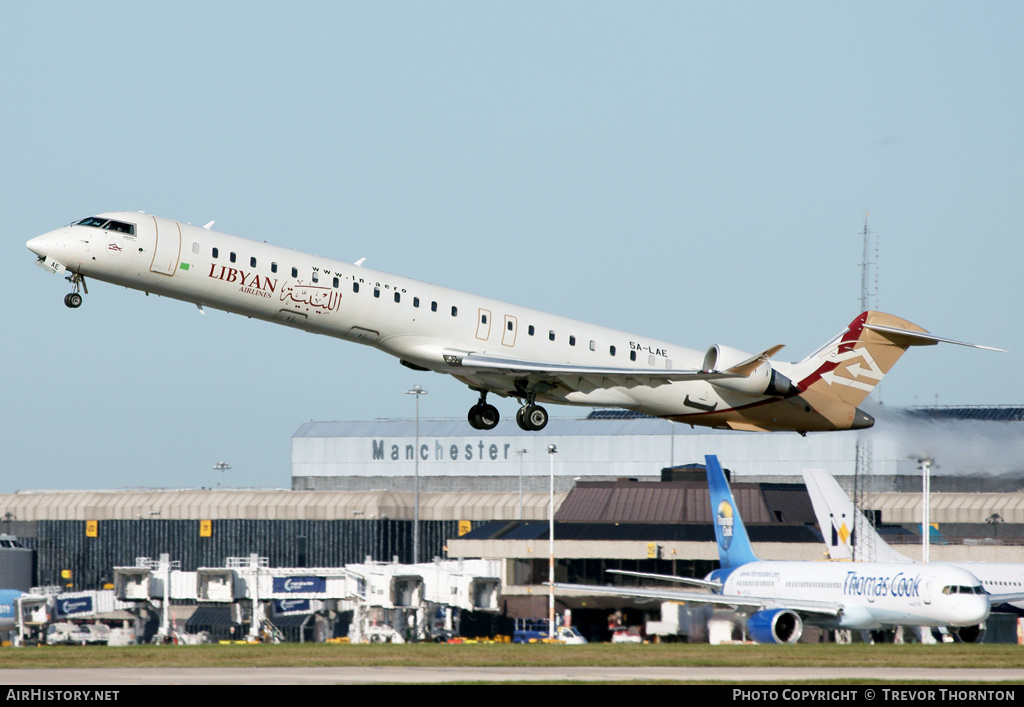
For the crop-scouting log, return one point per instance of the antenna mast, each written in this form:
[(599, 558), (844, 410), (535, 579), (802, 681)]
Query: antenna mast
[(863, 466), (869, 269)]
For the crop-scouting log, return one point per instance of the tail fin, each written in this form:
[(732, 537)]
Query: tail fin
[(733, 543), (853, 363), (840, 521)]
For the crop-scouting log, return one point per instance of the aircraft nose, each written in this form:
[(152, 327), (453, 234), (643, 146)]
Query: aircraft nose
[(41, 245)]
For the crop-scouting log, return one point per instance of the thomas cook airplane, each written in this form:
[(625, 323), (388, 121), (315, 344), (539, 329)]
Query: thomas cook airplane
[(840, 522), (491, 346), (777, 598)]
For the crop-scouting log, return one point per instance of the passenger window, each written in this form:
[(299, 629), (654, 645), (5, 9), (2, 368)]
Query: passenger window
[(551, 335), (252, 262), (376, 292), (510, 325), (355, 287), (632, 355), (611, 350), (455, 311), (483, 318), (398, 297), (316, 277), (232, 257), (295, 272), (335, 283), (195, 248), (215, 253), (572, 340), (529, 330), (433, 306), (273, 267), (593, 346), (415, 301)]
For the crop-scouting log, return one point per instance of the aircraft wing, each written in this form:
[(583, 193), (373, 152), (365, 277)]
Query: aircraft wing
[(997, 599), (705, 584), (746, 604), (575, 376)]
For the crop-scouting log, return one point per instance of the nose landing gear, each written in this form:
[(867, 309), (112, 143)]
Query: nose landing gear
[(73, 300)]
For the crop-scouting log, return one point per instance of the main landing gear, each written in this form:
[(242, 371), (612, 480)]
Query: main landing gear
[(73, 299), (530, 417), (483, 416)]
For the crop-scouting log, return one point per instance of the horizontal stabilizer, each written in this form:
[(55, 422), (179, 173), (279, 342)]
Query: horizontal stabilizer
[(905, 337)]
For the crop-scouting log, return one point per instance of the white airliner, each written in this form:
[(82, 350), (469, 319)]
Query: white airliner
[(491, 346), (778, 597), (839, 521)]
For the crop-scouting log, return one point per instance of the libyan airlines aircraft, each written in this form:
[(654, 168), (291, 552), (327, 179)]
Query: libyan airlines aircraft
[(491, 346), (776, 598)]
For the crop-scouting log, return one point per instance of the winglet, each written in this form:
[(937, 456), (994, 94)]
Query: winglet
[(733, 542)]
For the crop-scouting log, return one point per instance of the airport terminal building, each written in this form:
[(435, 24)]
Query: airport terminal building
[(623, 499), (971, 449)]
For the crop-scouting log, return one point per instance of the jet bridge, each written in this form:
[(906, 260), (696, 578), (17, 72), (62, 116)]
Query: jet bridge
[(387, 599)]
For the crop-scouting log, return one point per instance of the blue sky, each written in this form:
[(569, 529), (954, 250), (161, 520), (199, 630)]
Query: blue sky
[(695, 172)]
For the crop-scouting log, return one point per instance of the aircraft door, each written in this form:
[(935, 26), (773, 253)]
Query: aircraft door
[(483, 324), (508, 333), (168, 247)]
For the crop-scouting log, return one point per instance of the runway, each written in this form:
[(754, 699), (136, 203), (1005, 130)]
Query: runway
[(435, 675)]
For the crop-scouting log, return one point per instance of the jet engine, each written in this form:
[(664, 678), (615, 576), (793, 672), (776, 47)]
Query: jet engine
[(775, 626), (758, 376)]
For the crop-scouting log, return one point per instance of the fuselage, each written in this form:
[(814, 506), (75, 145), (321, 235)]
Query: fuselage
[(997, 578), (424, 325), (873, 595)]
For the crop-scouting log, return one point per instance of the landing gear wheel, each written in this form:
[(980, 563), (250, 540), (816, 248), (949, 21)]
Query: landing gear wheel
[(532, 418), (73, 300), (483, 417), (488, 417)]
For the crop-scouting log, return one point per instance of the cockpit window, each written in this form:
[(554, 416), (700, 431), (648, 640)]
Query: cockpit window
[(108, 224), (961, 589), (121, 227)]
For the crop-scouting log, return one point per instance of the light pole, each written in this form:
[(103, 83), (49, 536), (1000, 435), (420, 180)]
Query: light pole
[(926, 521), (552, 450), (416, 391), (520, 453)]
